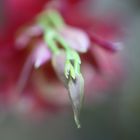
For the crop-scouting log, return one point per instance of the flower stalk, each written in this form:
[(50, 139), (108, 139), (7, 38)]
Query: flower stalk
[(51, 22)]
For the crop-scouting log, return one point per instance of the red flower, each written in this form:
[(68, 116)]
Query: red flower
[(40, 89)]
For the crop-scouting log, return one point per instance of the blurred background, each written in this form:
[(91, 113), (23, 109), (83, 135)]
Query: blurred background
[(116, 118)]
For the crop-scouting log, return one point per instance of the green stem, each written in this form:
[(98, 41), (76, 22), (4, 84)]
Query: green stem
[(50, 22), (55, 18)]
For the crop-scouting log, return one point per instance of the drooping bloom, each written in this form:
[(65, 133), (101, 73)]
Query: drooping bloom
[(60, 34)]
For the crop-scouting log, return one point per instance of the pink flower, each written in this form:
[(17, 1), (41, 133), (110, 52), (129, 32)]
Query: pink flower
[(28, 82)]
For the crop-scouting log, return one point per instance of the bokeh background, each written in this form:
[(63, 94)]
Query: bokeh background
[(116, 118)]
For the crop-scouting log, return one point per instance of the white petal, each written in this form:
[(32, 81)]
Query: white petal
[(76, 38), (26, 35), (41, 54), (76, 93)]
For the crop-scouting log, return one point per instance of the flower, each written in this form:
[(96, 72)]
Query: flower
[(60, 34)]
